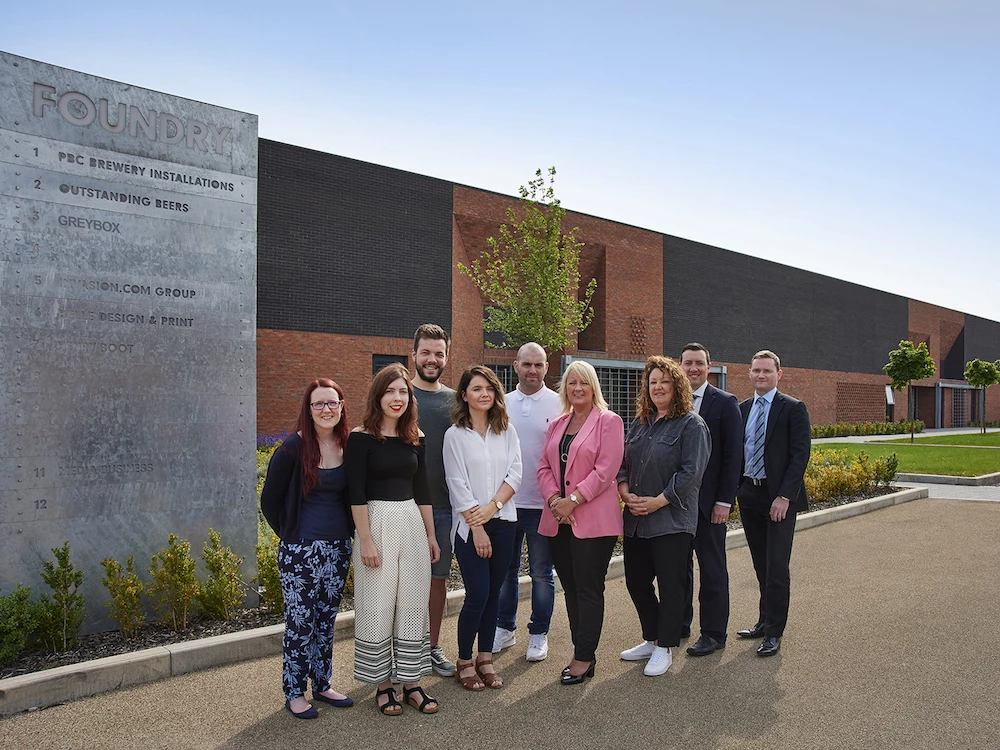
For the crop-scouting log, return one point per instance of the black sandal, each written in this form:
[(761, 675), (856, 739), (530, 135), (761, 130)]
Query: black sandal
[(391, 707), (424, 706)]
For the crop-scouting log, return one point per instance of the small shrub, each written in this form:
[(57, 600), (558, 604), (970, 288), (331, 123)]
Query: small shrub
[(125, 588), (846, 429), (61, 614), (885, 470), (221, 596), (268, 581), (18, 622), (174, 586)]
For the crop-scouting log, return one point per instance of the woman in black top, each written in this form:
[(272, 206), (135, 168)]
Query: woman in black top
[(395, 545), (305, 501)]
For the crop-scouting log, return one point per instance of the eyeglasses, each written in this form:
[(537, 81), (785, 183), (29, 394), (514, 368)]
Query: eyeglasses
[(319, 405)]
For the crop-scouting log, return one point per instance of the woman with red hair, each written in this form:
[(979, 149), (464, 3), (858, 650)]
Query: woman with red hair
[(305, 501)]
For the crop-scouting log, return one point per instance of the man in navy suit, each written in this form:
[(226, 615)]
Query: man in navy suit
[(776, 446), (721, 413)]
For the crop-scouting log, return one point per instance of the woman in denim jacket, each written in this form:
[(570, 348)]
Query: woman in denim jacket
[(666, 451)]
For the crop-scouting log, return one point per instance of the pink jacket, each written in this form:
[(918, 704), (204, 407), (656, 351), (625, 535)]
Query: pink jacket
[(595, 456)]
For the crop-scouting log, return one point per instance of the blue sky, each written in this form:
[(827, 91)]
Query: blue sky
[(854, 138)]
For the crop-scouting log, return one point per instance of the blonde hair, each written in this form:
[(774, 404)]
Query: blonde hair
[(767, 354), (586, 372)]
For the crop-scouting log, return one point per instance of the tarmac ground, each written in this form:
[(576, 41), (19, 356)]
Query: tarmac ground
[(893, 641)]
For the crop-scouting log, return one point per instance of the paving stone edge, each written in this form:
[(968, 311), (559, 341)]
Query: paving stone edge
[(62, 684)]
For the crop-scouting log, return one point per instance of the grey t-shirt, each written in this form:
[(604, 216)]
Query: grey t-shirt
[(434, 415)]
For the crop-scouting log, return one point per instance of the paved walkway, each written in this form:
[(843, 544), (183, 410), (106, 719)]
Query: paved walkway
[(877, 438), (893, 642)]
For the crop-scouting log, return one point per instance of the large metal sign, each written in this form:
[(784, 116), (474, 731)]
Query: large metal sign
[(127, 322)]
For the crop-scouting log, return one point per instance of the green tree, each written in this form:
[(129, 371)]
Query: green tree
[(174, 586), (221, 596), (906, 364), (530, 274), (61, 615), (982, 375), (125, 588)]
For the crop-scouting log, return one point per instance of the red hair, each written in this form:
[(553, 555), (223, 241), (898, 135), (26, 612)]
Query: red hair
[(310, 453)]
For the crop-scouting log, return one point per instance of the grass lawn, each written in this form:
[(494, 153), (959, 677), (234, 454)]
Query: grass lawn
[(992, 437), (921, 459)]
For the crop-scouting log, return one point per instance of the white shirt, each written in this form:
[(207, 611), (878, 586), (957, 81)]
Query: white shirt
[(531, 415), (700, 393), (475, 468)]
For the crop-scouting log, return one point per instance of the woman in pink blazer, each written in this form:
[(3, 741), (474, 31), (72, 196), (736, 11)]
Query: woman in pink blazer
[(578, 476)]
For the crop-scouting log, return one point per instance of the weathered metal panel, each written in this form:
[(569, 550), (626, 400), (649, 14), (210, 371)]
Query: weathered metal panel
[(127, 323)]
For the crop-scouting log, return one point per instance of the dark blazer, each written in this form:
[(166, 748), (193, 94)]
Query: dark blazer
[(787, 441), (721, 413)]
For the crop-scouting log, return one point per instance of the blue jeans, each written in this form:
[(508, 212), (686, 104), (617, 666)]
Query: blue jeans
[(543, 582), (483, 577)]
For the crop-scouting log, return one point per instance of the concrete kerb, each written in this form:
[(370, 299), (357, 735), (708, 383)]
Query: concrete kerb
[(62, 684), (983, 480)]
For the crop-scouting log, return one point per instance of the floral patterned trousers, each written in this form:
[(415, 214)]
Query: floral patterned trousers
[(312, 581)]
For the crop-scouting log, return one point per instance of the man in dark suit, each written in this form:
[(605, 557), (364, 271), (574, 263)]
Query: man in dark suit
[(776, 446), (721, 413)]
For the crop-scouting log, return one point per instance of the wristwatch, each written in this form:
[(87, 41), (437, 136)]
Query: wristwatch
[(574, 498), (498, 504)]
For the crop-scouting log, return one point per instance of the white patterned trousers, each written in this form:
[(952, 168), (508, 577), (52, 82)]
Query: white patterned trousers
[(391, 636)]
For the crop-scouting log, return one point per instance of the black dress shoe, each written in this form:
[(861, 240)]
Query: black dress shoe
[(757, 631), (685, 632), (309, 713), (769, 647), (576, 679), (706, 645)]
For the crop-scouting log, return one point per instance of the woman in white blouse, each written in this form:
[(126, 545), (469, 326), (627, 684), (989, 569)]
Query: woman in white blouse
[(482, 464)]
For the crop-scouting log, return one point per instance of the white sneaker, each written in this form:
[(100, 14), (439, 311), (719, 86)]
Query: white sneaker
[(659, 662), (503, 639), (538, 647), (637, 653)]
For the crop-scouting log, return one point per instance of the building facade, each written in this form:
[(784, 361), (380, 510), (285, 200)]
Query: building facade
[(352, 257)]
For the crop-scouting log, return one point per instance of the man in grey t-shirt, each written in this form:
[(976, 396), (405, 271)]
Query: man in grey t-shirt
[(434, 405)]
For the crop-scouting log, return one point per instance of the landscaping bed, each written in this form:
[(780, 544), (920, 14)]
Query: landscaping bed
[(929, 459)]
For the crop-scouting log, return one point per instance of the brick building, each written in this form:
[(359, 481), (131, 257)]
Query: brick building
[(352, 257)]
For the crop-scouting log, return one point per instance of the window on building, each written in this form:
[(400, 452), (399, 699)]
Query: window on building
[(380, 361), (507, 376)]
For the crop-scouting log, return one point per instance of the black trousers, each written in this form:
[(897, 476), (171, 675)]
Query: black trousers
[(713, 579), (582, 565), (771, 550), (664, 558)]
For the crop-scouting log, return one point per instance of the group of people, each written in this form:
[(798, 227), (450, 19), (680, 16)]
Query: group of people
[(433, 473)]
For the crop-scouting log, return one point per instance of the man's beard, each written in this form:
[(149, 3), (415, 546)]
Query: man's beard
[(432, 377)]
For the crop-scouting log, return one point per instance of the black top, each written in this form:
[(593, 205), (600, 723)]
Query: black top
[(281, 499), (564, 444), (325, 513), (390, 470)]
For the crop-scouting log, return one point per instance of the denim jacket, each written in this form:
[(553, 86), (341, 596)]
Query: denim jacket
[(668, 456)]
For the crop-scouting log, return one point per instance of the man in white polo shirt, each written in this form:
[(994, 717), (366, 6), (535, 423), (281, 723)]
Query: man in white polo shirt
[(531, 407)]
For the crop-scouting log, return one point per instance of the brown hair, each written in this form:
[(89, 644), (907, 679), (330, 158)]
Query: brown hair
[(694, 346), (406, 428), (681, 402), (767, 354), (434, 332), (496, 416), (310, 452)]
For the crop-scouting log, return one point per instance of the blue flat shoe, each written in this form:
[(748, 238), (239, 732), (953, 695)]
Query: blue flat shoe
[(335, 702), (309, 713)]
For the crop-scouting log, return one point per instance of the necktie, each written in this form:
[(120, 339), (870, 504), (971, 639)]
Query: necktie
[(756, 469), (694, 401)]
